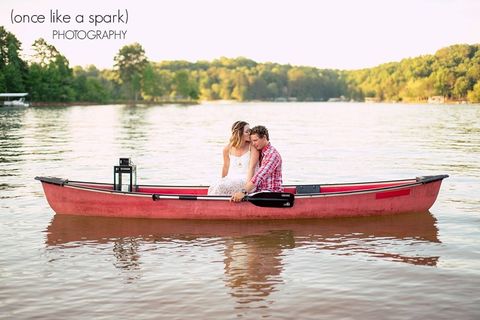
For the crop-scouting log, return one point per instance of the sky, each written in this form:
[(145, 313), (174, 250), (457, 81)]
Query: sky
[(334, 34)]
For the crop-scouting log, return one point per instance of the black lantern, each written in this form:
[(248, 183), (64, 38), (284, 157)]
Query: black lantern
[(125, 176)]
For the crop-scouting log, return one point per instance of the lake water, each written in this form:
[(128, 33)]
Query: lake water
[(414, 266)]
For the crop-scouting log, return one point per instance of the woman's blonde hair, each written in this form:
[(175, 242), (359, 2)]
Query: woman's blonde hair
[(237, 133)]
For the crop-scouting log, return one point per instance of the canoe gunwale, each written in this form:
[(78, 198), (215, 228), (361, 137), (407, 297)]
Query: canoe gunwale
[(77, 185), (423, 179)]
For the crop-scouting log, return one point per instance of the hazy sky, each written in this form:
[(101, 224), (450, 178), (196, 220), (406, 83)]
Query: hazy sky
[(344, 34)]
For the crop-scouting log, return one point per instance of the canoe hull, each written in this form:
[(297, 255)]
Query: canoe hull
[(77, 200)]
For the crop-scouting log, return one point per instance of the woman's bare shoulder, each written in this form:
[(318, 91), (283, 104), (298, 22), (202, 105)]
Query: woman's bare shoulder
[(226, 149)]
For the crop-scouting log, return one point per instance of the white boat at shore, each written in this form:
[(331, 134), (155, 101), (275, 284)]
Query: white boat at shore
[(14, 99)]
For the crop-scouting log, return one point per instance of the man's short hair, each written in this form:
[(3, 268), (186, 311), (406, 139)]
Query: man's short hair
[(260, 131)]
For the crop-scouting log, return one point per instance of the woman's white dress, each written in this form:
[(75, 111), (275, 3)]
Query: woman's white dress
[(236, 177)]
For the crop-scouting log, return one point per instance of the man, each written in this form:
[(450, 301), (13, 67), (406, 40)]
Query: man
[(269, 175)]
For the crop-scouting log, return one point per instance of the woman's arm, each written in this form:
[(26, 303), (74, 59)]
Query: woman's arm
[(226, 161), (254, 158)]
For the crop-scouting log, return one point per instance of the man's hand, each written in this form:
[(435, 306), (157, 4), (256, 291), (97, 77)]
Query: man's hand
[(237, 196)]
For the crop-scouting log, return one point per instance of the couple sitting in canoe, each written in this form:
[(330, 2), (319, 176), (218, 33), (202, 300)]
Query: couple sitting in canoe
[(250, 164)]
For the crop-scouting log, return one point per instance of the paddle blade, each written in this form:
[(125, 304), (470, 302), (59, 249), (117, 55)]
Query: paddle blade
[(272, 199)]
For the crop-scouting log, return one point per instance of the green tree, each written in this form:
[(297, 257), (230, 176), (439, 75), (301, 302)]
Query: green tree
[(89, 86), (150, 88), (444, 81), (184, 86), (130, 63), (461, 87), (51, 78), (240, 85), (13, 70), (474, 94)]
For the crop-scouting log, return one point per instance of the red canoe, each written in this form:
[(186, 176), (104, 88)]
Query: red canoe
[(298, 201)]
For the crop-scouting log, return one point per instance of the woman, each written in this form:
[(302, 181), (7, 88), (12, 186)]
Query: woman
[(240, 159)]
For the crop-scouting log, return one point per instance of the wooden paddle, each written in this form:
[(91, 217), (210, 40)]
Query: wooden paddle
[(260, 199)]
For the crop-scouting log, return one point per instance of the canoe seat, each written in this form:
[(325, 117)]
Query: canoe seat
[(308, 188), (289, 189)]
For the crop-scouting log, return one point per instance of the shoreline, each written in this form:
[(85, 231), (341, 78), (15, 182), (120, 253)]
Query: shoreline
[(95, 103), (226, 102)]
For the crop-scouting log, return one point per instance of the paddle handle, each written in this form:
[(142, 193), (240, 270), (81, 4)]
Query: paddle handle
[(261, 199), (156, 197)]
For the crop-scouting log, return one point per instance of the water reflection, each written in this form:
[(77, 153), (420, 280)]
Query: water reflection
[(127, 257), (253, 250), (50, 124), (11, 120), (11, 124), (48, 135), (135, 125), (253, 264), (126, 254)]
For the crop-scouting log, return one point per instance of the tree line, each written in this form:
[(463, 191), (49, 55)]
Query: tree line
[(452, 72)]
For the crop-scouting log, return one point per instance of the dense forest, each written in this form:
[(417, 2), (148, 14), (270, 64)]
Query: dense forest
[(452, 72)]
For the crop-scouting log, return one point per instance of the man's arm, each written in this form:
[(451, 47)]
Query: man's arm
[(269, 164)]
